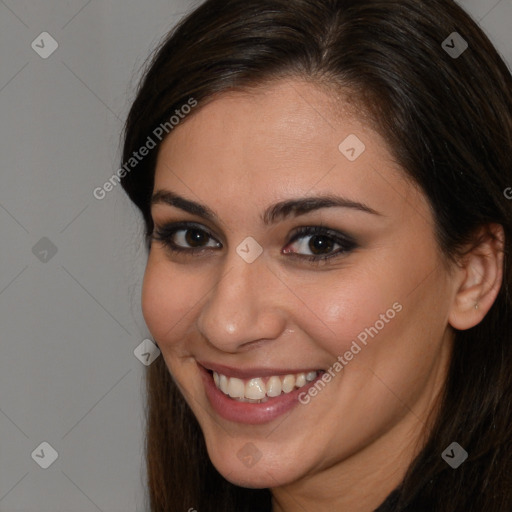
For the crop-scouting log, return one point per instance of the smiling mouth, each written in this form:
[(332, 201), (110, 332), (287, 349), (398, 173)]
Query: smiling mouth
[(261, 389)]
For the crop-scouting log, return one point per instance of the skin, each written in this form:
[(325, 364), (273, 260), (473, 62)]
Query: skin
[(350, 446)]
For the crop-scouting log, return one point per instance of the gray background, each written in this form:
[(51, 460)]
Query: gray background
[(71, 320)]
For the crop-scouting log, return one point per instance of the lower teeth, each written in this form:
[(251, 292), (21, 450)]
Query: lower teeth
[(250, 400)]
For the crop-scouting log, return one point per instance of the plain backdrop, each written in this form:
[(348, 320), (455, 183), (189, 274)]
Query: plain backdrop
[(71, 265)]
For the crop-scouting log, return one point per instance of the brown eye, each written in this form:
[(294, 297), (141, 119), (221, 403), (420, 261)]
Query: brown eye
[(196, 237), (185, 238), (320, 244), (316, 243)]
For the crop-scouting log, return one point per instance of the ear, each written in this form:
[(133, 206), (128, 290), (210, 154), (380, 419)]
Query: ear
[(481, 274)]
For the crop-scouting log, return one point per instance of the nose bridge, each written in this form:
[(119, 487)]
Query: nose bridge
[(240, 309)]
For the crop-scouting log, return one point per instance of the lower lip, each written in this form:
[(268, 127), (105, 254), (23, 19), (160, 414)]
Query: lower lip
[(250, 413)]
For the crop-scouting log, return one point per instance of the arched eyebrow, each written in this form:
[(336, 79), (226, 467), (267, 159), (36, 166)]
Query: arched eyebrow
[(301, 206), (274, 213)]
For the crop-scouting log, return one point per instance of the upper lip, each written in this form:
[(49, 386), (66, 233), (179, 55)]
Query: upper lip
[(249, 373)]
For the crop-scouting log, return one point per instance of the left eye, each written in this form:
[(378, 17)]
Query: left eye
[(319, 243)]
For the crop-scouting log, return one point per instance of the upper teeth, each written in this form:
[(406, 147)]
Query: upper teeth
[(258, 389)]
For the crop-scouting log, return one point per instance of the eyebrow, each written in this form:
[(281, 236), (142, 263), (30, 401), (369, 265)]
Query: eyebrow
[(274, 213)]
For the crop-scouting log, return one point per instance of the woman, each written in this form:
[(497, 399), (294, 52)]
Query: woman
[(328, 279)]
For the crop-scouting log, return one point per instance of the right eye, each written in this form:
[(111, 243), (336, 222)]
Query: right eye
[(185, 237)]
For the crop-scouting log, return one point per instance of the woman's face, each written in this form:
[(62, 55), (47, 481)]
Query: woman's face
[(309, 253)]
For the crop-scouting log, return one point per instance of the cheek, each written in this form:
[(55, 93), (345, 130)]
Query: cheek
[(168, 299), (344, 310)]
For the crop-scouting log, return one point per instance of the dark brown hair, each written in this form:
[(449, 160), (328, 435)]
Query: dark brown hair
[(448, 122)]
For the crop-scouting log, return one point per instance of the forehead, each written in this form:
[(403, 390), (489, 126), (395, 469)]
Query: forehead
[(294, 112), (284, 139)]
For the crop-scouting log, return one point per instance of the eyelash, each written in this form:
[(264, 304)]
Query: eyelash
[(164, 235)]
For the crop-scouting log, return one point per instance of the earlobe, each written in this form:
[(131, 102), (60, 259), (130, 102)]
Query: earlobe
[(481, 269)]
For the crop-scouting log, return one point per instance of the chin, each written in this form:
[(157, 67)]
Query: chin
[(257, 477), (248, 467)]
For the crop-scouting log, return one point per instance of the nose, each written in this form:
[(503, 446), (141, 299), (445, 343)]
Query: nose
[(243, 307)]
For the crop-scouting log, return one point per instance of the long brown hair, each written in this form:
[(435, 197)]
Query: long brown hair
[(448, 121)]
